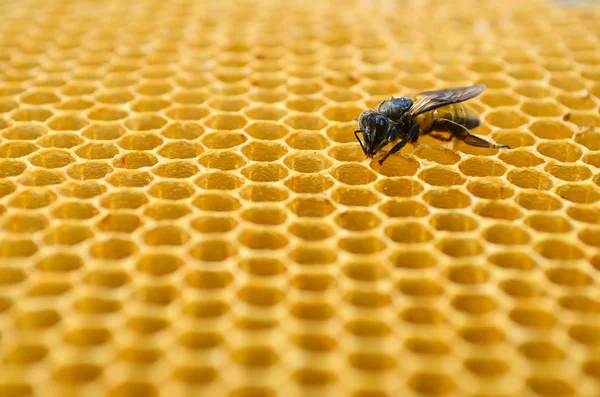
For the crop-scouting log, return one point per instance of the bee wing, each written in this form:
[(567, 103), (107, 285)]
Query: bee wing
[(430, 100)]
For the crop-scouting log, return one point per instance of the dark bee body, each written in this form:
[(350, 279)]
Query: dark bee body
[(430, 112)]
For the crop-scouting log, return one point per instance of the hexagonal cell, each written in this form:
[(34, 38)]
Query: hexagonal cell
[(447, 198), (307, 141), (342, 112), (453, 222), (307, 162), (353, 174), (539, 201), (97, 151), (74, 210), (140, 141), (530, 179), (180, 150), (114, 97), (188, 130), (219, 181), (263, 193), (305, 104), (104, 132), (506, 118), (408, 232), (24, 223), (399, 187), (17, 149), (119, 222), (437, 176), (585, 334), (438, 155), (145, 122), (213, 250), (481, 166), (186, 113), (564, 151), (312, 311), (265, 112), (166, 211), (497, 99), (590, 237), (342, 132), (551, 129), (10, 168), (589, 139), (309, 183), (403, 208), (32, 114), (579, 193), (357, 220), (305, 122), (222, 160), (583, 213), (548, 386), (149, 105), (265, 172), (567, 82), (514, 138), (83, 190), (266, 130), (41, 178), (51, 158), (506, 235), (130, 179), (154, 88), (347, 153), (263, 239), (228, 104), (166, 235), (225, 121), (577, 102), (490, 188), (311, 230), (33, 198), (125, 199), (216, 202), (520, 158), (264, 151), (67, 122), (548, 223), (542, 108), (460, 247), (397, 165), (559, 250), (354, 196), (568, 277), (135, 160), (474, 304), (107, 114), (175, 169), (67, 234), (36, 320)]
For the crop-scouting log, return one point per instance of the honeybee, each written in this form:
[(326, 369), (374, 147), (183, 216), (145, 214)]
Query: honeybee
[(429, 112)]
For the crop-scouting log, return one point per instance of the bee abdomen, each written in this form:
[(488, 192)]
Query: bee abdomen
[(461, 114)]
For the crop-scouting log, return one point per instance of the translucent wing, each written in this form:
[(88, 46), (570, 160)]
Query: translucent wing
[(430, 100)]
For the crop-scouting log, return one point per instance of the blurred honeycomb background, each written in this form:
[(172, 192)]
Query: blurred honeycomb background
[(184, 209)]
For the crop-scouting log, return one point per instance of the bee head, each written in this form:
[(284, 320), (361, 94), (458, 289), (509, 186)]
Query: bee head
[(374, 127)]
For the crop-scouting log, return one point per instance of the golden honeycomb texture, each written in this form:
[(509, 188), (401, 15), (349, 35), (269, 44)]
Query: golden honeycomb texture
[(184, 209)]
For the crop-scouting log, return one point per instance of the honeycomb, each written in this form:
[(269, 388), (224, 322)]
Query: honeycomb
[(184, 209)]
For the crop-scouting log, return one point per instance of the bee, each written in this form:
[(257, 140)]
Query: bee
[(404, 120)]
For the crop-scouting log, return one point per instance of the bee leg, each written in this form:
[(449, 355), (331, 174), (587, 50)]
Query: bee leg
[(462, 133), (411, 137), (359, 141), (395, 149)]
